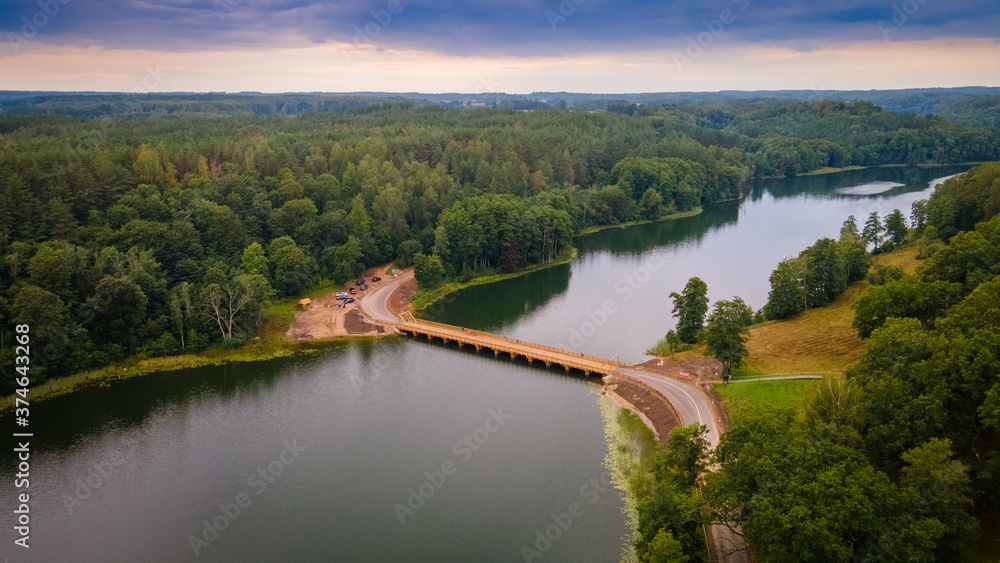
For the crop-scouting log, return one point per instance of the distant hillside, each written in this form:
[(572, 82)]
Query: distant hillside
[(975, 106)]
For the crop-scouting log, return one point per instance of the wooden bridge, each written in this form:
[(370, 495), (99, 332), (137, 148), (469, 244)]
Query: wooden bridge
[(500, 344)]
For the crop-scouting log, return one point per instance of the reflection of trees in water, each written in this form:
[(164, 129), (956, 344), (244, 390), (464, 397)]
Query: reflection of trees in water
[(491, 306), (71, 419), (641, 238), (826, 185)]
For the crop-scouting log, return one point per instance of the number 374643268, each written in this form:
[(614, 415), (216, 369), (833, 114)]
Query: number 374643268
[(22, 360)]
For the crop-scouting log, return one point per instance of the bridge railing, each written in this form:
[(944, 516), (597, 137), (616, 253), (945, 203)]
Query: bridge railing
[(484, 334)]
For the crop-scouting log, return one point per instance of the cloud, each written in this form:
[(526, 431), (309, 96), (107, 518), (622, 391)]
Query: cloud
[(488, 27)]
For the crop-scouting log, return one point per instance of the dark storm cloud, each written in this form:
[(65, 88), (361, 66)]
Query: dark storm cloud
[(486, 27)]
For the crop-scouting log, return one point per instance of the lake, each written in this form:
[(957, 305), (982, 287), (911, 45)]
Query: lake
[(395, 450)]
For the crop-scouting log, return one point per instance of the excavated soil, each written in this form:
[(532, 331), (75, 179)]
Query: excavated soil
[(639, 398)]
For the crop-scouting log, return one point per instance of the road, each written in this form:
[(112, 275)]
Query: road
[(692, 406), (375, 302)]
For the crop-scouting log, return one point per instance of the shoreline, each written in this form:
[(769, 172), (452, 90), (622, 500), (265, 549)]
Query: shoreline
[(696, 210), (831, 170), (424, 299)]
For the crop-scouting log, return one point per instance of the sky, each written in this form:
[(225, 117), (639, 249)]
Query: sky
[(513, 46)]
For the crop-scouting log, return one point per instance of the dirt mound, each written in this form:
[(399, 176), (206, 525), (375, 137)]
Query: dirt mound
[(695, 367), (639, 398), (402, 297), (355, 323)]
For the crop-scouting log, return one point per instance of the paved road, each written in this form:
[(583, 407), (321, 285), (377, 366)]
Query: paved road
[(375, 302), (694, 407)]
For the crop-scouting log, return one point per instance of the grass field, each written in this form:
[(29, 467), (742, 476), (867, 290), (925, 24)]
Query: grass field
[(784, 393), (819, 340)]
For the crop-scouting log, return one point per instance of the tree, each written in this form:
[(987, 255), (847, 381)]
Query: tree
[(345, 262), (406, 251), (651, 205), (895, 227), (826, 273), (805, 492), (907, 297), (180, 308), (224, 303), (838, 401), (918, 215), (942, 486), (687, 453), (293, 268), (690, 307), (873, 230), (727, 333), (665, 549), (254, 261), (788, 289), (428, 270), (849, 228)]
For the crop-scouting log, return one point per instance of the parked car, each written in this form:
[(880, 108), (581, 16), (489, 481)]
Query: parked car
[(376, 278), (354, 291), (364, 286), (348, 300), (359, 281), (342, 295)]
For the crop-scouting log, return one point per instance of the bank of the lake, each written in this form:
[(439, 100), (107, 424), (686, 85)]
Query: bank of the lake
[(669, 217), (272, 347), (424, 298)]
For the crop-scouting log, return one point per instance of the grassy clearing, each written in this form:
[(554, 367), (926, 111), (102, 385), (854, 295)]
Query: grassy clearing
[(819, 340), (282, 311), (679, 215), (784, 393), (832, 170), (274, 346), (662, 348), (425, 297)]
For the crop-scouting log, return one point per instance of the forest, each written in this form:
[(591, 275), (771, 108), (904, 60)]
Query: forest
[(126, 238)]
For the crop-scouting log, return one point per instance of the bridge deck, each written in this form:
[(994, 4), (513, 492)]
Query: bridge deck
[(511, 346)]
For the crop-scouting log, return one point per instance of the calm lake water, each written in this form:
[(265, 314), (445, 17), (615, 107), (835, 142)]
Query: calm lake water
[(325, 456)]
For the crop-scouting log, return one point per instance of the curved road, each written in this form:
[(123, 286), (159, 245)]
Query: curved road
[(692, 406), (375, 302)]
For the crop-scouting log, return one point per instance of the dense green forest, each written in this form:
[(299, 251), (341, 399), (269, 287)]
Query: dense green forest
[(896, 460), (173, 233), (972, 106)]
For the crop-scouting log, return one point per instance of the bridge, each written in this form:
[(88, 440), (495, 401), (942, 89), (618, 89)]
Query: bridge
[(499, 344)]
